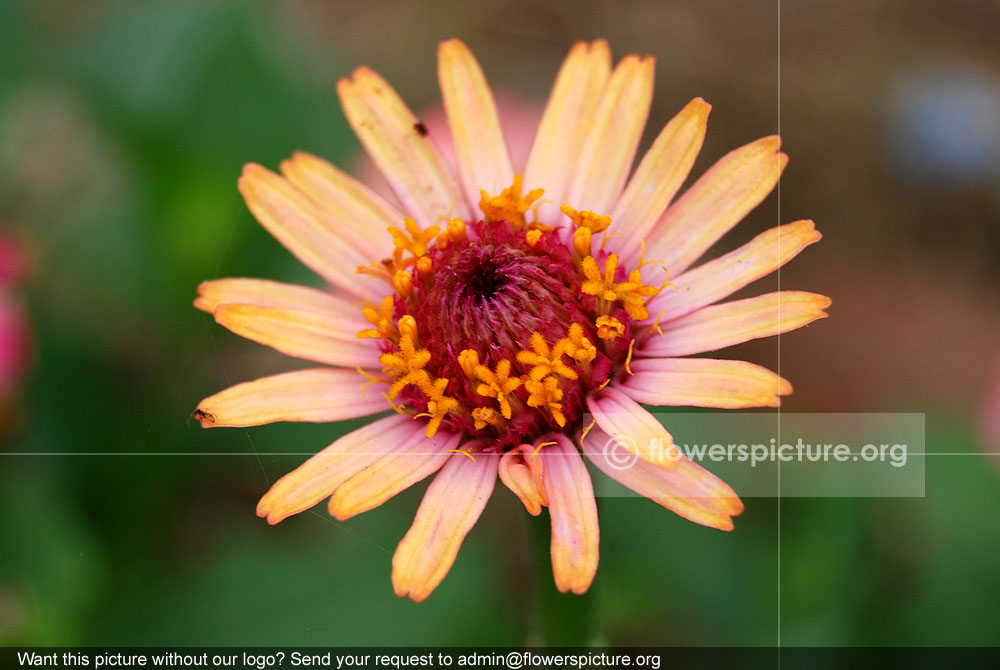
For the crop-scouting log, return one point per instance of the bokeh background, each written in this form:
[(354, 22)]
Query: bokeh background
[(123, 127)]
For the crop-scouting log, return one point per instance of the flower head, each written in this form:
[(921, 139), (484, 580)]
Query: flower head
[(519, 302)]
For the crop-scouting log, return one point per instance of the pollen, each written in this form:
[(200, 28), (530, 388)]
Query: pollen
[(609, 328), (510, 205), (485, 416)]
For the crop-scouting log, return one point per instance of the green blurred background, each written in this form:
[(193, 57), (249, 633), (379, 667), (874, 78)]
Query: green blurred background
[(123, 127)]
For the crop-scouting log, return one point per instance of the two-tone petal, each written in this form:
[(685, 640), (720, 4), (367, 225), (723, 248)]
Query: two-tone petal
[(573, 512), (320, 476), (317, 395), (688, 490), (723, 325), (703, 382), (450, 508)]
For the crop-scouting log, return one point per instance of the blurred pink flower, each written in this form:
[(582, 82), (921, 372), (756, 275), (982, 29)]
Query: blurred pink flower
[(990, 420), (15, 333)]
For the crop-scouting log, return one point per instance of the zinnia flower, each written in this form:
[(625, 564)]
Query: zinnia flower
[(506, 306)]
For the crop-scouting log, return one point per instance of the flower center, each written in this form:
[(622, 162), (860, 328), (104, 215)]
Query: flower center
[(498, 328)]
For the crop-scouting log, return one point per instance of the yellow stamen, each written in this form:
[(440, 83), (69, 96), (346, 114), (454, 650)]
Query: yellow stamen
[(402, 282), (424, 266), (588, 429), (461, 451), (485, 416), (438, 406), (533, 237), (628, 359), (413, 240), (400, 409), (582, 239), (372, 379), (408, 326), (510, 205), (587, 219), (655, 325), (632, 293), (468, 360), (609, 328), (381, 319), (406, 366), (545, 360), (546, 393), (580, 348), (540, 446), (498, 384), (456, 230)]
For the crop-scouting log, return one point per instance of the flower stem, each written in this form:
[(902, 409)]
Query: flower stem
[(558, 619)]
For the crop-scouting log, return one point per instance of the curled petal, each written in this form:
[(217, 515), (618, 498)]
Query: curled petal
[(450, 508), (521, 472)]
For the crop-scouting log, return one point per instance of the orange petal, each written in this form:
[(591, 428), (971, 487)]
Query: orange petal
[(347, 200), (720, 326), (636, 432), (658, 178), (719, 200), (267, 293), (317, 478), (317, 395), (688, 490), (567, 117), (521, 472), (480, 148), (575, 531), (449, 510), (296, 221), (314, 336), (393, 137), (727, 274), (703, 382), (391, 474), (613, 137)]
